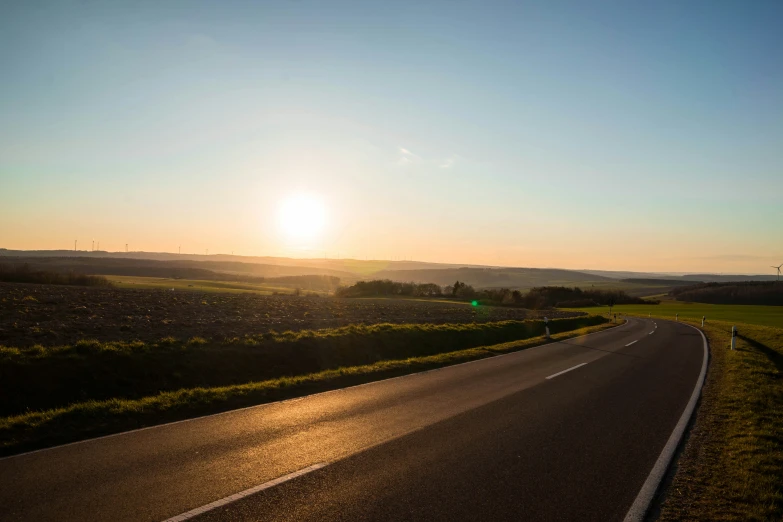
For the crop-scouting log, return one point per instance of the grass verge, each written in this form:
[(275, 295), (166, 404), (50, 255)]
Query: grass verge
[(93, 418), (41, 378), (731, 465)]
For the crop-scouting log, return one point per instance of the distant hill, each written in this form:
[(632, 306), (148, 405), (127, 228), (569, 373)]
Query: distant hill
[(351, 270), (492, 277), (325, 265), (668, 278), (614, 274), (721, 278), (659, 282), (210, 270)]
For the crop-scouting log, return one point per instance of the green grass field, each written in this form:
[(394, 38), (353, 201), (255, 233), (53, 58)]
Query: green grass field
[(750, 314), (200, 285)]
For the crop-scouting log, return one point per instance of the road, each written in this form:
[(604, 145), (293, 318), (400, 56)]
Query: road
[(513, 437)]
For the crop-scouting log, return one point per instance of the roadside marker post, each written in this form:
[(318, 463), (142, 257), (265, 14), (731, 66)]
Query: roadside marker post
[(546, 325), (676, 317), (733, 337), (703, 317)]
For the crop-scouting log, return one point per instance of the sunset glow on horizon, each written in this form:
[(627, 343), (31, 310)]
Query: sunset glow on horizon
[(516, 135)]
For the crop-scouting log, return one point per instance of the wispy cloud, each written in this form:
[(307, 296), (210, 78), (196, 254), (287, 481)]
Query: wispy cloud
[(449, 162), (406, 157)]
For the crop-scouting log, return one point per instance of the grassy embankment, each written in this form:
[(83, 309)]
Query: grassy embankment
[(58, 395), (749, 314), (732, 463)]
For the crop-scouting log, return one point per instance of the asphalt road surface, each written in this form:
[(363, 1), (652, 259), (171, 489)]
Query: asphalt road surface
[(565, 431)]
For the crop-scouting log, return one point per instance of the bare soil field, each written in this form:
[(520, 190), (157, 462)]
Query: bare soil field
[(52, 315)]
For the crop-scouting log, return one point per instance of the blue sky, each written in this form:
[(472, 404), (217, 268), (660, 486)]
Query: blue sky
[(571, 134)]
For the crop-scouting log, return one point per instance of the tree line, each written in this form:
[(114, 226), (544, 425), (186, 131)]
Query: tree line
[(543, 297), (536, 298), (387, 287), (745, 292)]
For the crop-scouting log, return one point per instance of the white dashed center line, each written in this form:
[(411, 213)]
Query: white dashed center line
[(242, 494), (566, 371)]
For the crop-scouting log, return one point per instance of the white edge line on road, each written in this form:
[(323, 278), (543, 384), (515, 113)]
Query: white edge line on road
[(632, 342), (645, 497), (651, 332), (293, 399), (242, 494), (566, 371)]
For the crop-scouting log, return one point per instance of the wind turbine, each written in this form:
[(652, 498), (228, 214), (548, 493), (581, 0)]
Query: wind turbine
[(778, 269)]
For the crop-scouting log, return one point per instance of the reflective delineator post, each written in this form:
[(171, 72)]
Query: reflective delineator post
[(676, 317), (546, 325), (733, 337), (702, 320)]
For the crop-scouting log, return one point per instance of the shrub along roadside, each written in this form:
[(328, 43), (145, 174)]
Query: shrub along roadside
[(732, 461), (93, 418), (37, 378)]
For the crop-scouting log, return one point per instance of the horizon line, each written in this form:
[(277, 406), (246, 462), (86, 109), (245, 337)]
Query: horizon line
[(454, 265)]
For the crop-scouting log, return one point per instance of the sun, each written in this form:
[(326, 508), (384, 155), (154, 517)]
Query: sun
[(302, 217)]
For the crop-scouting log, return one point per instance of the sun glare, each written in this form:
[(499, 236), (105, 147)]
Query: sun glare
[(302, 217)]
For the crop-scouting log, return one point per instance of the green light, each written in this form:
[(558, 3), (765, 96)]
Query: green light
[(474, 303)]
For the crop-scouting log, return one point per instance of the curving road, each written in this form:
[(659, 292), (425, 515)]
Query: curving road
[(565, 431)]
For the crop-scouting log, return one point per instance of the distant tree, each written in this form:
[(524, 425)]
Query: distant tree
[(428, 290), (465, 291), (507, 297)]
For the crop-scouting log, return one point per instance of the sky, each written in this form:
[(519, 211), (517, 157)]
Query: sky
[(603, 135)]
